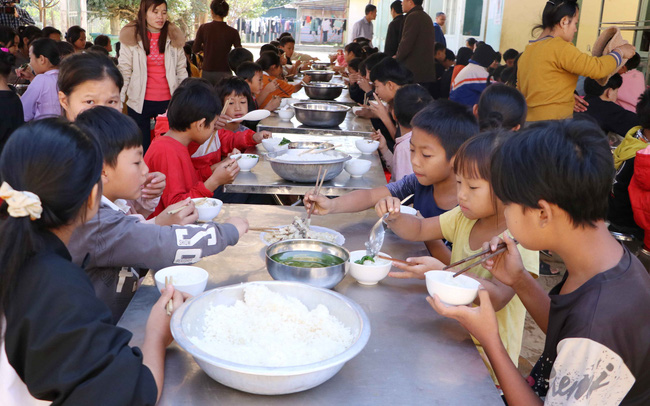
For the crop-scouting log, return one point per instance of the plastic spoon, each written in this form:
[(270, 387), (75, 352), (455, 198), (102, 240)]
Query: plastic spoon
[(255, 115)]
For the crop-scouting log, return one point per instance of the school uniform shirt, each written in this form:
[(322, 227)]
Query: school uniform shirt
[(41, 99), (610, 116), (597, 349), (172, 158), (469, 84), (60, 342), (12, 115), (547, 74), (423, 200), (456, 228), (116, 248), (285, 89), (402, 158)]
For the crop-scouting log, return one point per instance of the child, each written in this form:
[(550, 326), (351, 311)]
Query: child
[(509, 57), (388, 76), (41, 98), (287, 44), (408, 101), (437, 133), (501, 106), (478, 218), (192, 116), (77, 37), (603, 108), (253, 74), (87, 80), (270, 63), (445, 79), (467, 87), (237, 56), (12, 108), (619, 209), (633, 84), (52, 320), (117, 245), (554, 178)]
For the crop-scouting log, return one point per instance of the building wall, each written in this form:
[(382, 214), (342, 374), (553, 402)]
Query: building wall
[(519, 18), (356, 11)]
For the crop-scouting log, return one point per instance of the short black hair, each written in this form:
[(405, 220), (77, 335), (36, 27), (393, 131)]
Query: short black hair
[(102, 40), (287, 39), (593, 88), (284, 34), (501, 106), (370, 8), (220, 8), (65, 48), (113, 130), (390, 70), (510, 54), (7, 60), (370, 62), (408, 101), (633, 62), (397, 6), (567, 163), (194, 100), (643, 110), (47, 47), (474, 157), (439, 13), (247, 70), (355, 48), (463, 56), (47, 31), (98, 48), (354, 64), (497, 57), (275, 43), (471, 41), (450, 122), (439, 46), (449, 55), (73, 34), (238, 55), (269, 47), (230, 85), (268, 59), (418, 2)]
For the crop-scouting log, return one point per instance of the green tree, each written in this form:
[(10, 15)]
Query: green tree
[(117, 11), (275, 3), (42, 6), (245, 9)]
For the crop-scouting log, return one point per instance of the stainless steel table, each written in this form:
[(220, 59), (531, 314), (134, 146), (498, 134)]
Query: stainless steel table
[(414, 356), (263, 180)]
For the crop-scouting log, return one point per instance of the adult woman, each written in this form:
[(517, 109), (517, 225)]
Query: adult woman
[(77, 37), (548, 69), (216, 39), (152, 62)]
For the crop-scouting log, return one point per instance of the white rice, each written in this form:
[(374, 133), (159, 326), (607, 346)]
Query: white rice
[(269, 329), (296, 157)]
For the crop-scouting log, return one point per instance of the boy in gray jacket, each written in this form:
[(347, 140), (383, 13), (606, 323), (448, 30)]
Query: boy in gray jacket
[(117, 246)]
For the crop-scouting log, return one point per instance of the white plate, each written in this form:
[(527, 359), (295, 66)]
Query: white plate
[(340, 240)]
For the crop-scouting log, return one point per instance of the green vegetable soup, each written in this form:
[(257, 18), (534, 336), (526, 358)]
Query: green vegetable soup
[(307, 259)]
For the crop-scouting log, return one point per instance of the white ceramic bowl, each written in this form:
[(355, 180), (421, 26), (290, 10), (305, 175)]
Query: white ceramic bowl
[(369, 274), (408, 210), (287, 102), (188, 279), (208, 210), (246, 162), (273, 144), (357, 167), (461, 290), (356, 110), (367, 146), (286, 114)]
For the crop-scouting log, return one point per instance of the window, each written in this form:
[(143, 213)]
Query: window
[(472, 20)]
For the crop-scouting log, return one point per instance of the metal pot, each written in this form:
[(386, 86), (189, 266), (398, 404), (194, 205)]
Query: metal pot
[(320, 75), (307, 171), (320, 65), (323, 90), (320, 114)]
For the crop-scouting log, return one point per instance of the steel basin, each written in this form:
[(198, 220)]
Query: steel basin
[(320, 65), (320, 114), (320, 75), (307, 171), (323, 90)]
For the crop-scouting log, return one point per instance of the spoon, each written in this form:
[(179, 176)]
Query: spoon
[(376, 239), (255, 115)]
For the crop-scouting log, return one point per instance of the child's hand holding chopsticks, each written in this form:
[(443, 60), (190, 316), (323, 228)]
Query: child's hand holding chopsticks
[(419, 265)]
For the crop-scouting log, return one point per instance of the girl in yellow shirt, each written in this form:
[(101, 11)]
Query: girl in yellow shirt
[(548, 69), (478, 218)]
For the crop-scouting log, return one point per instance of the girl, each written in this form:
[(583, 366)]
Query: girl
[(478, 218), (152, 62), (41, 98), (548, 69), (64, 329), (87, 80), (272, 66), (462, 59), (501, 106), (77, 37), (25, 37), (12, 109)]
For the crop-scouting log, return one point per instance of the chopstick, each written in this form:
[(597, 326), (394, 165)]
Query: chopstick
[(169, 280), (501, 248), (313, 150), (405, 199), (262, 229), (200, 202), (223, 111), (399, 261), (328, 149), (317, 189)]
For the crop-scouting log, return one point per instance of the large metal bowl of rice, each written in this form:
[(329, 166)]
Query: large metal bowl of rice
[(188, 326), (291, 165)]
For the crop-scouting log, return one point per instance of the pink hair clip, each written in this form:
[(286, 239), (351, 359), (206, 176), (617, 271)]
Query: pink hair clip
[(4, 49)]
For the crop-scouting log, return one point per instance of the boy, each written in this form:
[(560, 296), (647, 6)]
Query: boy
[(510, 56), (437, 133), (602, 107), (468, 85), (253, 74), (192, 116), (237, 56), (554, 178), (287, 44), (114, 246)]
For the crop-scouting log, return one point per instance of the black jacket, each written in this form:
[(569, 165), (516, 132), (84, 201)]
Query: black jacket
[(394, 35)]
